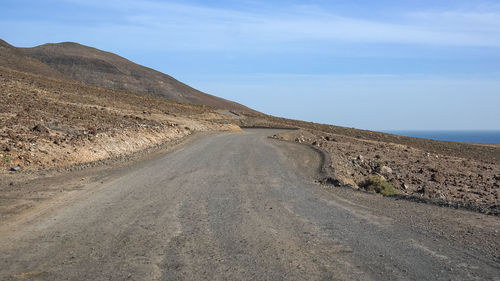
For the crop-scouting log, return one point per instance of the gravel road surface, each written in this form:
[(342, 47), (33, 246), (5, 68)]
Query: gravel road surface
[(237, 207)]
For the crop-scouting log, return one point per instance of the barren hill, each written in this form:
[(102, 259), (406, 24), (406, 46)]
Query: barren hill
[(104, 69), (14, 58)]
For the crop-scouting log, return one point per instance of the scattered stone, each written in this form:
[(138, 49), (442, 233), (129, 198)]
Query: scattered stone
[(40, 128), (331, 181), (437, 177), (361, 158), (16, 168), (386, 170), (441, 196), (374, 165), (404, 186), (423, 190), (300, 139)]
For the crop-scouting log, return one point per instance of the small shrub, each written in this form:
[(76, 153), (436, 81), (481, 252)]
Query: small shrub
[(6, 159), (379, 185)]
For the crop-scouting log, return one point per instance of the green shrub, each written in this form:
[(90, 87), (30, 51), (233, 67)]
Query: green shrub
[(6, 159), (379, 185)]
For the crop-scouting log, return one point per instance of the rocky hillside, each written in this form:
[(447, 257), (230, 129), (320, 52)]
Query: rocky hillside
[(15, 58), (49, 123), (104, 69)]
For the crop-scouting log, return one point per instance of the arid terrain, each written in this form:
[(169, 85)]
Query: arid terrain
[(413, 171), (52, 121), (447, 173), (86, 132)]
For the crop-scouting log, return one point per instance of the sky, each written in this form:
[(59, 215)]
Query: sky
[(378, 65)]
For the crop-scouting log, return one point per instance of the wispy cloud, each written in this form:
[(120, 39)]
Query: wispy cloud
[(441, 59), (203, 27)]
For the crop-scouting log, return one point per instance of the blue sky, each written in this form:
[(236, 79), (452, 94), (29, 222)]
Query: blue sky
[(381, 65)]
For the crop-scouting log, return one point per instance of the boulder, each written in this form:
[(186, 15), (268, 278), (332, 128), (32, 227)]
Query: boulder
[(16, 168), (385, 170), (40, 128)]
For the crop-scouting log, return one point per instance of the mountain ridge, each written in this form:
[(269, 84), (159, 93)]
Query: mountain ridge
[(14, 58), (92, 66)]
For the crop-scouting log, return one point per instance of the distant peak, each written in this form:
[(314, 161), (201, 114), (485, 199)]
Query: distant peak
[(64, 44), (4, 43)]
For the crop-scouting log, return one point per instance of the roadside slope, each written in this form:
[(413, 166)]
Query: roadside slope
[(449, 173), (47, 123)]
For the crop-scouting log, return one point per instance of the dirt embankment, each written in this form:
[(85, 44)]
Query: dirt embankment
[(47, 123), (411, 170)]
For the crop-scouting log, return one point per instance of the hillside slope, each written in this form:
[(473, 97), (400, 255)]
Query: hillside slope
[(14, 58), (104, 69)]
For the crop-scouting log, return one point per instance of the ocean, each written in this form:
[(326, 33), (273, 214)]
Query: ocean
[(459, 136)]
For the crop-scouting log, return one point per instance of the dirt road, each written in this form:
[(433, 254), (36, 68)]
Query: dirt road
[(235, 207)]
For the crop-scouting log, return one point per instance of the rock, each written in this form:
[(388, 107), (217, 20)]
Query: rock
[(424, 190), (40, 128), (16, 168), (374, 165), (441, 196), (330, 139), (385, 170), (361, 158), (381, 176), (437, 177), (300, 139), (331, 181), (405, 186)]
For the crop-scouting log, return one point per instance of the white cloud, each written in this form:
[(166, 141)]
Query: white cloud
[(204, 27)]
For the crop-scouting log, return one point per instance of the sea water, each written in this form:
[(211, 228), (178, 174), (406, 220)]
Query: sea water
[(458, 136)]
